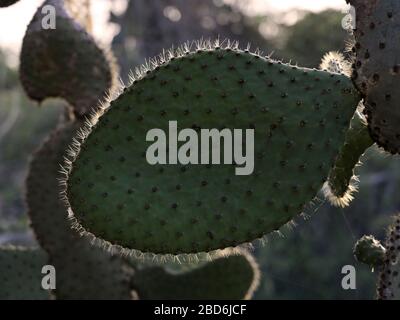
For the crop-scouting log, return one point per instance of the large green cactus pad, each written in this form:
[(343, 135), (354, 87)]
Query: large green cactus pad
[(389, 281), (21, 274), (83, 270), (300, 118), (229, 278), (64, 62)]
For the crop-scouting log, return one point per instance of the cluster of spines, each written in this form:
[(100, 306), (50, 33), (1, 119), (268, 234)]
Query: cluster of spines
[(335, 62)]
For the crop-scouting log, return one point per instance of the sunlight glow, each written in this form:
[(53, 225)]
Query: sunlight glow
[(13, 20)]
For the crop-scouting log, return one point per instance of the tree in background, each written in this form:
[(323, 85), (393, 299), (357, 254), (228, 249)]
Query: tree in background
[(148, 27), (311, 37), (8, 76)]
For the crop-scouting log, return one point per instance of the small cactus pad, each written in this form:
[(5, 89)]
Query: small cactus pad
[(299, 117), (368, 250), (335, 62), (389, 282), (21, 274), (64, 62), (377, 68), (84, 271), (340, 186), (7, 3), (235, 277)]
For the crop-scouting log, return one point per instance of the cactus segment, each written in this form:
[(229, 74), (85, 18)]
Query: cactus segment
[(299, 116), (45, 208), (370, 251), (7, 3), (65, 62), (341, 182), (377, 68), (234, 277), (335, 62), (21, 274), (84, 271), (389, 280)]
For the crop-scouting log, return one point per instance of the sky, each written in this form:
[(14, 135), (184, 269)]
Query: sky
[(14, 19)]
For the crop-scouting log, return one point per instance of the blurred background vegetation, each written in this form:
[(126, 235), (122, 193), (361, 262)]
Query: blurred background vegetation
[(303, 262)]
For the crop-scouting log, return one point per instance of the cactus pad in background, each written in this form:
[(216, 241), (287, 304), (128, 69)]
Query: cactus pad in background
[(300, 117), (65, 62), (377, 68), (233, 277), (83, 271), (389, 282), (6, 3), (340, 186), (368, 250), (45, 209), (21, 274)]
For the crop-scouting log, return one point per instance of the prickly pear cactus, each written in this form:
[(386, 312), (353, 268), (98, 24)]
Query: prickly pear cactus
[(83, 270), (341, 183), (306, 130), (171, 209), (65, 62), (377, 68), (6, 3), (389, 282), (229, 278), (21, 274), (370, 251)]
